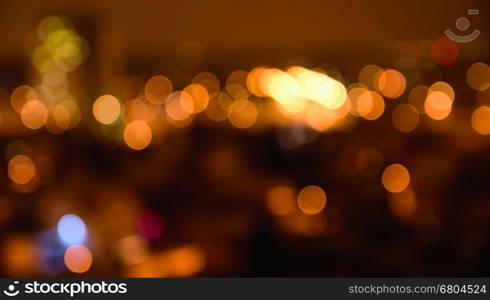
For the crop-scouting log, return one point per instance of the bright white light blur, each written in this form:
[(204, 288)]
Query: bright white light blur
[(319, 87), (71, 229)]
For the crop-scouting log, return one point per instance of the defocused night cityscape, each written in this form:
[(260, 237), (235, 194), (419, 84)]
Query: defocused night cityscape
[(318, 138)]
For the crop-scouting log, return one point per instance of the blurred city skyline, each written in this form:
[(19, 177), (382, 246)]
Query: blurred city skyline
[(212, 138)]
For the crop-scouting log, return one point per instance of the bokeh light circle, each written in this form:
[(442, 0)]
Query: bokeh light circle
[(312, 199), (78, 259), (21, 169), (137, 135), (34, 114), (395, 178), (405, 117), (391, 83), (478, 76), (480, 120), (106, 109), (444, 51), (370, 105), (71, 229), (281, 200)]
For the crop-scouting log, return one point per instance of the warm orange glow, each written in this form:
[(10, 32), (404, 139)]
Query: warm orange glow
[(264, 78), (19, 255), (286, 91), (441, 86), (182, 262), (56, 80), (319, 87), (369, 76), (106, 109), (478, 76), (179, 106), (438, 105), (253, 81), (342, 111), (21, 95), (208, 81), (218, 107), (34, 114), (199, 96), (237, 91), (281, 200), (417, 97), (243, 113), (395, 178), (391, 83), (480, 120), (145, 269), (78, 259), (138, 109), (157, 89), (403, 204), (236, 83), (181, 123), (21, 169), (405, 117), (318, 117), (74, 111), (137, 135), (353, 95), (370, 105), (439, 101), (312, 199), (61, 116), (132, 249), (187, 261), (305, 224)]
